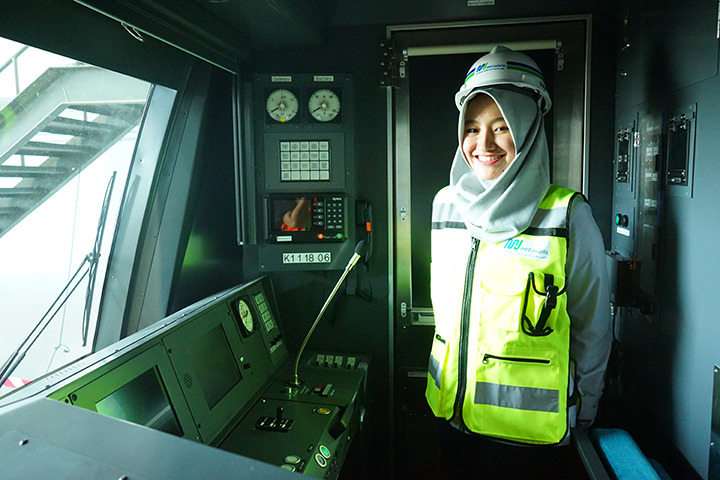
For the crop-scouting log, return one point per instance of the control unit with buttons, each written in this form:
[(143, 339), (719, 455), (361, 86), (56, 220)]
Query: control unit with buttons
[(217, 373), (309, 429), (298, 177)]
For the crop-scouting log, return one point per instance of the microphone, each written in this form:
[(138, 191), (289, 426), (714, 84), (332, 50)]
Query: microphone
[(360, 250)]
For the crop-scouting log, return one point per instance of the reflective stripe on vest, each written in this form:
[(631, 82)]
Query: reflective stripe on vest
[(520, 398)]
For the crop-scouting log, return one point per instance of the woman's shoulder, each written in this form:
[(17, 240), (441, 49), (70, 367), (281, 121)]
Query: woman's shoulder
[(444, 195)]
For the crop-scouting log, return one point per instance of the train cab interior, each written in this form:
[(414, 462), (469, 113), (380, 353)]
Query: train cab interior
[(215, 224)]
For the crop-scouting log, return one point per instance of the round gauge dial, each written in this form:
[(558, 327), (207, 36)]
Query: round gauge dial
[(282, 105), (246, 316), (324, 105)]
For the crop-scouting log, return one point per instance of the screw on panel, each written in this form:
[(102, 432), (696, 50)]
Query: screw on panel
[(23, 442)]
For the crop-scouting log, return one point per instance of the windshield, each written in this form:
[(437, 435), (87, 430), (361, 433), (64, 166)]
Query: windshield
[(67, 135)]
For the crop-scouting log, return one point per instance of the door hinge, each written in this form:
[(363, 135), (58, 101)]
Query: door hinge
[(560, 56), (393, 64)]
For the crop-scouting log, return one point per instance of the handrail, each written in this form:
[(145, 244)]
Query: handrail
[(12, 59)]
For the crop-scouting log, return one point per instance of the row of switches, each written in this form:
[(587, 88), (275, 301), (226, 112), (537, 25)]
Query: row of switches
[(335, 361)]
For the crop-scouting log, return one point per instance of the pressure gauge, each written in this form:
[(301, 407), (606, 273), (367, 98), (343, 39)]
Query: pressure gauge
[(324, 105), (282, 105), (246, 316)]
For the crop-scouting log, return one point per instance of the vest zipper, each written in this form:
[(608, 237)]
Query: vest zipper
[(465, 330), (489, 356)]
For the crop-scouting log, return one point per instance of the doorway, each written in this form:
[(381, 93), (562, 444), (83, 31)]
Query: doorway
[(432, 63)]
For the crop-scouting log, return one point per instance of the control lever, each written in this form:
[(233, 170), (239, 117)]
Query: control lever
[(278, 417), (276, 423)]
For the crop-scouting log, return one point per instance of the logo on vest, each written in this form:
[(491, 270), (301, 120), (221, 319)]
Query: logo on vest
[(534, 250)]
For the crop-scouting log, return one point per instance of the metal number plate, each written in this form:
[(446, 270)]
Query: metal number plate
[(314, 257)]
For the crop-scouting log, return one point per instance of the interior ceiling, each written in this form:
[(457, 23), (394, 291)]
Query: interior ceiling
[(273, 24)]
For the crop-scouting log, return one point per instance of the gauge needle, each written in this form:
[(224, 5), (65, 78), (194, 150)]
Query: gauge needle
[(323, 106)]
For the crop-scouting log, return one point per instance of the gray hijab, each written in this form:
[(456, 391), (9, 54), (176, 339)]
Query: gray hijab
[(498, 209)]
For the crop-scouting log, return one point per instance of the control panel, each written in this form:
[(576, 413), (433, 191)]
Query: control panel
[(219, 373), (307, 429), (301, 174)]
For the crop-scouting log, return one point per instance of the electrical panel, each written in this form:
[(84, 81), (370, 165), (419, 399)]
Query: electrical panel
[(624, 187), (654, 158), (303, 171)]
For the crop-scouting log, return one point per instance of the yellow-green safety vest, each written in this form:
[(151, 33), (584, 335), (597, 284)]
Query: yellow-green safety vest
[(499, 364)]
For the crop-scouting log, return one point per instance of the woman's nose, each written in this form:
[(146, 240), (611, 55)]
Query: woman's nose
[(485, 140)]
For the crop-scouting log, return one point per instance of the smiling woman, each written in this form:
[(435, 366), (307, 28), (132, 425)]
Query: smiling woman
[(505, 291)]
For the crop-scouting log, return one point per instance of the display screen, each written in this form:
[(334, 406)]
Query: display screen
[(306, 218), (143, 401), (214, 365), (291, 214)]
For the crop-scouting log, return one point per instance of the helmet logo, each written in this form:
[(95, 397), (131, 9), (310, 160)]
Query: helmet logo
[(473, 71), (484, 67)]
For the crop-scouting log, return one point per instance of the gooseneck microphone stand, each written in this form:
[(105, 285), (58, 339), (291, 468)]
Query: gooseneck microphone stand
[(360, 249)]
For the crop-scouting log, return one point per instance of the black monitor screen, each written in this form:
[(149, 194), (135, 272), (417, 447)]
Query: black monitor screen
[(144, 401), (214, 365)]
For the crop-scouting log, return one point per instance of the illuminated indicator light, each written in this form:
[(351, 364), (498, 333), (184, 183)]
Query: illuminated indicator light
[(323, 411), (367, 226), (339, 235), (324, 451), (321, 236)]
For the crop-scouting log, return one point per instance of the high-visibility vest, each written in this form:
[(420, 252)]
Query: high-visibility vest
[(499, 364)]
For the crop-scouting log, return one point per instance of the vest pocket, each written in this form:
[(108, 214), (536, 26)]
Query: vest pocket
[(501, 302), (519, 394)]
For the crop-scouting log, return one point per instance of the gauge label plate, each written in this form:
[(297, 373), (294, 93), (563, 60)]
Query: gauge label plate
[(310, 257)]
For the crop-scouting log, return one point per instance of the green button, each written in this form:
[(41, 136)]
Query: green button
[(324, 451)]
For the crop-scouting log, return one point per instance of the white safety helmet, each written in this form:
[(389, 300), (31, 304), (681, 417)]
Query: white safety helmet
[(503, 66)]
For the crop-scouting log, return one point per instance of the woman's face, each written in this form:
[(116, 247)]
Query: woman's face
[(487, 143)]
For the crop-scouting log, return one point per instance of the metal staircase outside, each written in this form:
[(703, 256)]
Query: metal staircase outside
[(67, 118)]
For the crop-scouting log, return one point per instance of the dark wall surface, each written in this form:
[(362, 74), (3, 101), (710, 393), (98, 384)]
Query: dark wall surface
[(667, 66)]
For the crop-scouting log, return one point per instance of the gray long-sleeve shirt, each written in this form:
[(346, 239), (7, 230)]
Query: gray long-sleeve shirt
[(589, 308)]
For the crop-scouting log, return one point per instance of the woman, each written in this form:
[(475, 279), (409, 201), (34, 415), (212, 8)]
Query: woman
[(519, 287)]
